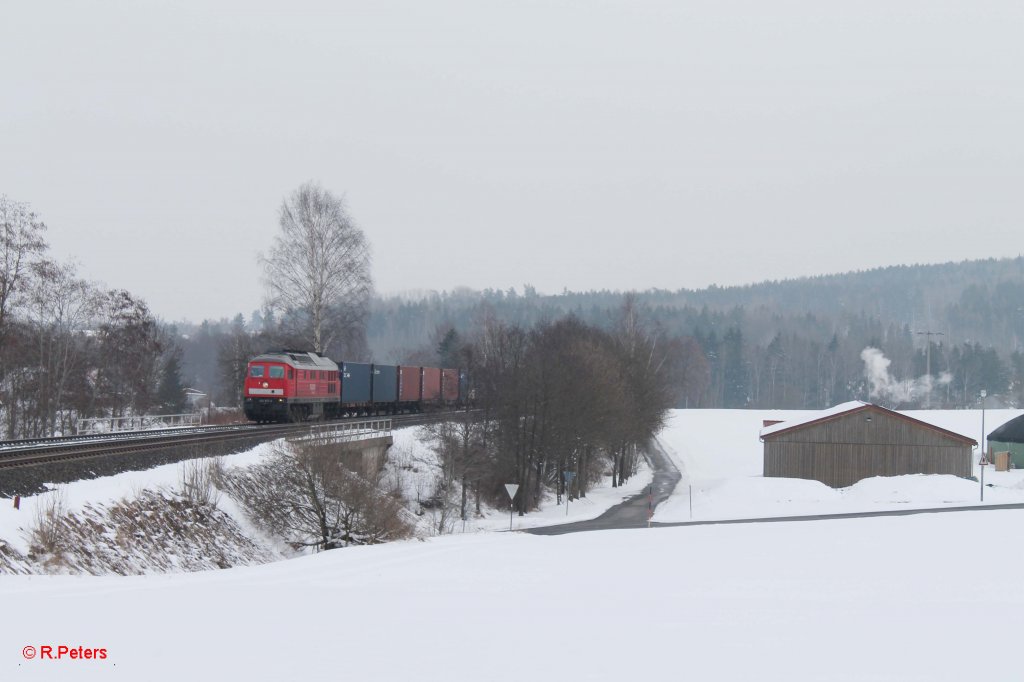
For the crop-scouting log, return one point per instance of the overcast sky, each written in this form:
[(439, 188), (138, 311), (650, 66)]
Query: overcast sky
[(582, 145)]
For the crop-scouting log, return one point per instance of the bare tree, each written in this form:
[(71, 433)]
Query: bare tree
[(21, 242), (566, 397), (461, 445), (128, 355), (317, 274), (305, 493), (60, 308), (647, 362), (234, 351)]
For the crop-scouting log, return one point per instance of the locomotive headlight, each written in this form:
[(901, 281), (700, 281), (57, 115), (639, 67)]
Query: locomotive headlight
[(266, 385)]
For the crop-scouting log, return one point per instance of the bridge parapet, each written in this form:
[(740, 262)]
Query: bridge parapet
[(346, 432), (369, 439)]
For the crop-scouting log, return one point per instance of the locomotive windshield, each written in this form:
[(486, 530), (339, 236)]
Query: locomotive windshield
[(277, 372), (256, 371)]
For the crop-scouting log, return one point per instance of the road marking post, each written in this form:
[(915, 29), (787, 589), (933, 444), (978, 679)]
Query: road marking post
[(568, 476)]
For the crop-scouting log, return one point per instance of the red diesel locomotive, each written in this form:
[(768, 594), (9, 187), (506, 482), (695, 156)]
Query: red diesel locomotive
[(289, 385)]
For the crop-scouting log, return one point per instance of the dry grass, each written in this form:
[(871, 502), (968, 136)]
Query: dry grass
[(50, 532), (151, 531), (199, 481)]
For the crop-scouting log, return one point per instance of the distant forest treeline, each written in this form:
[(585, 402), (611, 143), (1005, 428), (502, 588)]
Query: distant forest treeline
[(786, 344), (794, 343)]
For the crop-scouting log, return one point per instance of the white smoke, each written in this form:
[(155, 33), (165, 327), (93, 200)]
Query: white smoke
[(888, 387)]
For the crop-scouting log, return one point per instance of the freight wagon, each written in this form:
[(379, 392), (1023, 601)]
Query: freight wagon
[(288, 385)]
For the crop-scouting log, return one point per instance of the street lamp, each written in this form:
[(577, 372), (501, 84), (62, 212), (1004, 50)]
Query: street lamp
[(984, 452)]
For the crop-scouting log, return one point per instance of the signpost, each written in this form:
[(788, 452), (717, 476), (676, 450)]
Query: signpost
[(568, 476), (982, 464), (511, 489)]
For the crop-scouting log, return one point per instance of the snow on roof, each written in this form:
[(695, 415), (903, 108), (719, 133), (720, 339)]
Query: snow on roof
[(296, 357), (1010, 432), (816, 416), (854, 406)]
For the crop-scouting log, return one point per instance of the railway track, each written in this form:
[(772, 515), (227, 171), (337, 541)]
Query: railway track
[(51, 450)]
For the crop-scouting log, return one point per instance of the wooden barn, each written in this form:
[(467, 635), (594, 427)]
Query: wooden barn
[(858, 440)]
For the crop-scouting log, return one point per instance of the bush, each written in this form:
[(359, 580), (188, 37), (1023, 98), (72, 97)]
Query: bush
[(49, 532)]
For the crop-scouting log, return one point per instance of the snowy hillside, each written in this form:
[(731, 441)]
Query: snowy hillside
[(103, 533)]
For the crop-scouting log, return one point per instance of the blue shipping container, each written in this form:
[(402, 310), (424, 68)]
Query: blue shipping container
[(385, 383), (355, 382)]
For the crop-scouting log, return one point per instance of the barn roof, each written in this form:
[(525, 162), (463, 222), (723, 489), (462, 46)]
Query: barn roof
[(814, 418), (1010, 432), (850, 408)]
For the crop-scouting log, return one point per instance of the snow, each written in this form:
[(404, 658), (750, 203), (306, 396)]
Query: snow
[(109, 489), (412, 467), (907, 598), (722, 459), (925, 597), (420, 464), (814, 416)]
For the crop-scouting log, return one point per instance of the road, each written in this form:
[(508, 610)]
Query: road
[(633, 512), (848, 515)]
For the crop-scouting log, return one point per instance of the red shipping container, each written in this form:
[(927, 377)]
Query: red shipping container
[(431, 384), (450, 385), (409, 384)]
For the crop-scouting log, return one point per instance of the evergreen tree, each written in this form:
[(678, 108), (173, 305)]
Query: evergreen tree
[(448, 349), (171, 392), (736, 387)]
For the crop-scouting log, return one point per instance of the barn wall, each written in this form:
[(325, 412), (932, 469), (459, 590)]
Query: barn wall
[(843, 451)]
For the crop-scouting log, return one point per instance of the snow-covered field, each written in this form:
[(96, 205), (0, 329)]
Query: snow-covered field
[(721, 458), (930, 597)]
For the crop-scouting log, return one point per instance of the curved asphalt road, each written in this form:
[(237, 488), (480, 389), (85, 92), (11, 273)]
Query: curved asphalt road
[(633, 512)]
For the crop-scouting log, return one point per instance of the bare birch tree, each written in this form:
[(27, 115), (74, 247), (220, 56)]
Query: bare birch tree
[(60, 307), (21, 242), (317, 274), (21, 245)]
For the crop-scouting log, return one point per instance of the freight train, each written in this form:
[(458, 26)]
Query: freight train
[(290, 385)]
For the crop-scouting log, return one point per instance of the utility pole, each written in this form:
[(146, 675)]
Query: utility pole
[(983, 462), (984, 449), (928, 334)]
